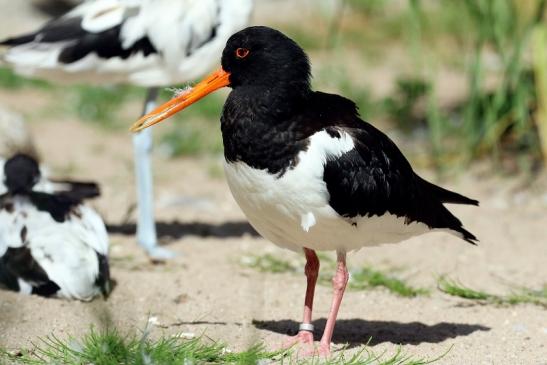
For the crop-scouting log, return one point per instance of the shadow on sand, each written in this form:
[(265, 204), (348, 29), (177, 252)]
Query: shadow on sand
[(175, 230), (357, 332)]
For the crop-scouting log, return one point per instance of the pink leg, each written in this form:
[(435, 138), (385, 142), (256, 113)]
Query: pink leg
[(312, 272), (339, 282)]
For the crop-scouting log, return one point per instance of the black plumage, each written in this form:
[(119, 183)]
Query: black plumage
[(18, 263)]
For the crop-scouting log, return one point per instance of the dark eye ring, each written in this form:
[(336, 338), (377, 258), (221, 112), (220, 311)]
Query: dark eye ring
[(242, 52)]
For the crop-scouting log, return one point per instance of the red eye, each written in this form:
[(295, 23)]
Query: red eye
[(242, 52)]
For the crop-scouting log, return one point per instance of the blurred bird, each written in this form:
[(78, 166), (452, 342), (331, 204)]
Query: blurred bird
[(20, 262), (50, 242), (150, 43), (308, 173)]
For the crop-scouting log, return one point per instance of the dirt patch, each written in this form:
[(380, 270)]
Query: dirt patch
[(206, 289)]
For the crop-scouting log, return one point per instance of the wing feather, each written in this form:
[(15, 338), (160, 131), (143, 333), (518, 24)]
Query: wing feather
[(374, 178)]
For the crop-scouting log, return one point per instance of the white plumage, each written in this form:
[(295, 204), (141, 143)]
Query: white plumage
[(67, 251), (293, 210), (51, 243)]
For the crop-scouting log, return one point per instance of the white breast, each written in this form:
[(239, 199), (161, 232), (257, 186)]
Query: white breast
[(293, 210)]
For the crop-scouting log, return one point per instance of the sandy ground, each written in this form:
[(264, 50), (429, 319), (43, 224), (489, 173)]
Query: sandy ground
[(207, 290)]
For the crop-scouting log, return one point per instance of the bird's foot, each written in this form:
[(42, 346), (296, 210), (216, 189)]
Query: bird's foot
[(157, 253), (302, 338), (323, 350), (303, 342)]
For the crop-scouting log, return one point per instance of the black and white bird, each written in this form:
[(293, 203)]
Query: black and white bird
[(150, 43), (308, 173), (51, 243)]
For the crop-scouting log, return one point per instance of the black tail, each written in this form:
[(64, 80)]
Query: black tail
[(468, 236), (446, 196), (444, 219)]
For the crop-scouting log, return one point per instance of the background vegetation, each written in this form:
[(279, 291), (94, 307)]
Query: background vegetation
[(469, 80)]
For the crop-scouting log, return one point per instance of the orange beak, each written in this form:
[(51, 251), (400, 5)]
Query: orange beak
[(214, 81)]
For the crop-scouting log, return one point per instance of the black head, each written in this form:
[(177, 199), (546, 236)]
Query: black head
[(21, 173), (261, 56), (256, 62)]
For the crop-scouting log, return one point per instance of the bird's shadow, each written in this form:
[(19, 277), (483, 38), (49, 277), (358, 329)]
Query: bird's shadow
[(168, 231), (356, 332)]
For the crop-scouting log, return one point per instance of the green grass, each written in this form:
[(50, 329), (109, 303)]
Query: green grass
[(540, 74), (499, 122), (362, 279), (268, 263), (109, 347), (11, 81), (367, 278), (401, 105), (518, 296)]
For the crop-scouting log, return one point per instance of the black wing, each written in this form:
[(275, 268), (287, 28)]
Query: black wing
[(374, 178), (58, 205), (17, 262), (78, 190)]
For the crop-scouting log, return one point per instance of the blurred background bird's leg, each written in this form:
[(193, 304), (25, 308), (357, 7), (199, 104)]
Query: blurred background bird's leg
[(146, 225)]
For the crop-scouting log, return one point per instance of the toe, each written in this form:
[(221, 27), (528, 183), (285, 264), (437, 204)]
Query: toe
[(303, 337)]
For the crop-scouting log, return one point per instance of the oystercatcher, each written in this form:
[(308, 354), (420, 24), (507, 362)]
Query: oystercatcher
[(151, 43), (308, 173), (50, 242)]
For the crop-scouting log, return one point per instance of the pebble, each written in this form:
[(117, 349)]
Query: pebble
[(154, 321), (185, 335)]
